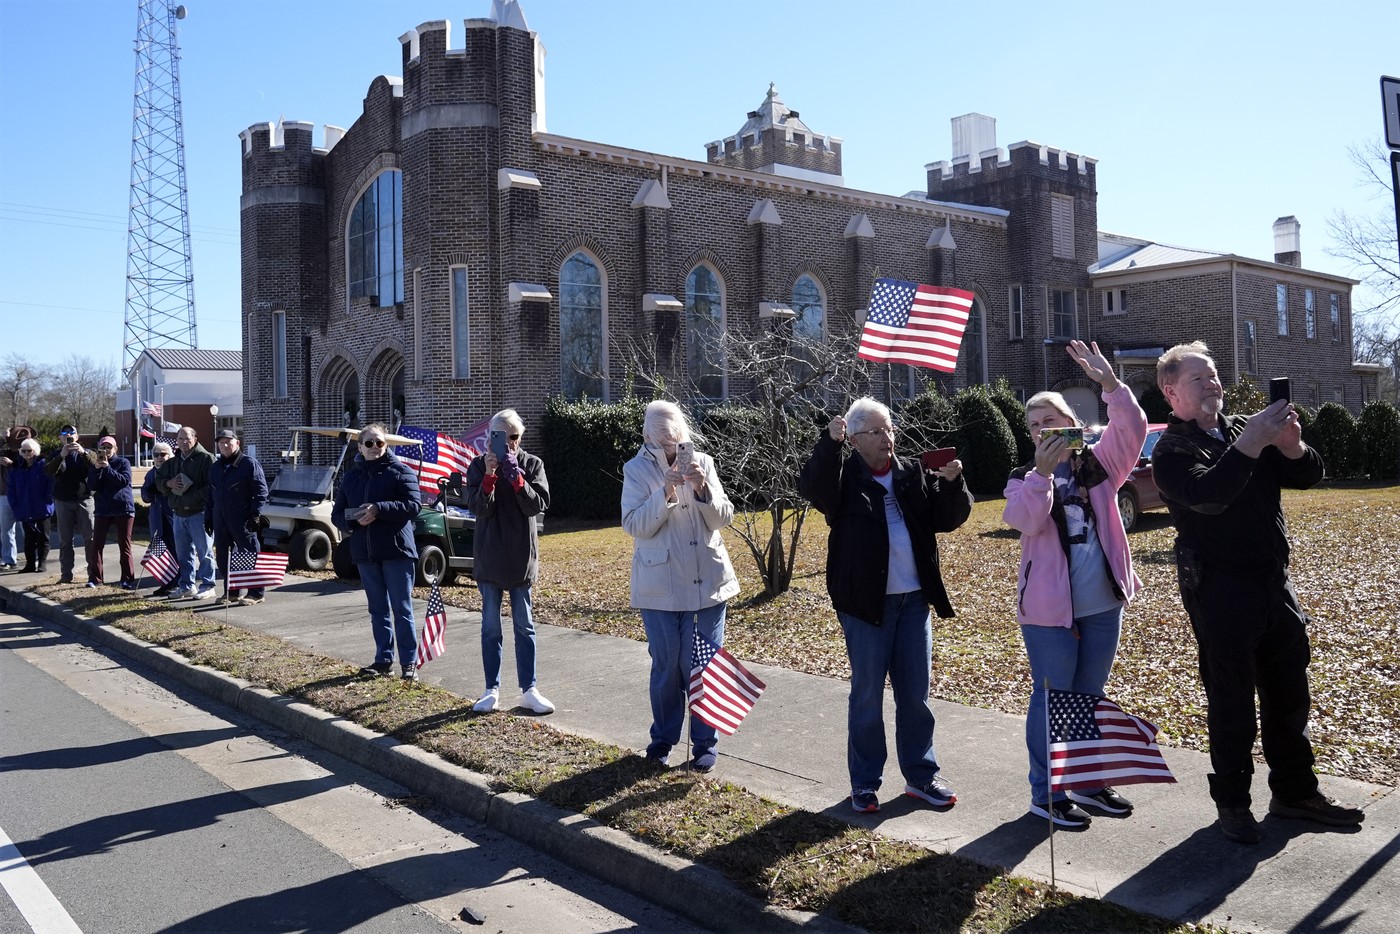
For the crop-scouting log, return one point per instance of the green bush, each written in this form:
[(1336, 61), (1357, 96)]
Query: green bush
[(1379, 433), (720, 428), (925, 422), (588, 442), (1154, 404), (1333, 434), (984, 441), (1015, 413)]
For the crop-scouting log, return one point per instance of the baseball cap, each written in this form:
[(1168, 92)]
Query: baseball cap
[(68, 430), (226, 433), (107, 439)]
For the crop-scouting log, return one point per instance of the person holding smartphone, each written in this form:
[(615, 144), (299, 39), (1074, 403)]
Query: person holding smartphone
[(507, 490), (114, 506), (72, 501), (674, 507), (1076, 568), (375, 506)]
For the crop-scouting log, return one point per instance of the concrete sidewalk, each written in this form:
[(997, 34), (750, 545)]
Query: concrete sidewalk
[(1166, 859)]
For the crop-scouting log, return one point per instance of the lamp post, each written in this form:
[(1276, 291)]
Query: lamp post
[(214, 414)]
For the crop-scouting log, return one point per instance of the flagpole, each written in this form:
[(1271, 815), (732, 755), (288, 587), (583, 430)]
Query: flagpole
[(1049, 784)]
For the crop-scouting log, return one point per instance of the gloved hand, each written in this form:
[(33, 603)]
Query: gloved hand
[(510, 467), (256, 524)]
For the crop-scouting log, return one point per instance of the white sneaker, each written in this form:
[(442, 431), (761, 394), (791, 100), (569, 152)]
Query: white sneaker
[(534, 700), (488, 701), (183, 594), (206, 593)]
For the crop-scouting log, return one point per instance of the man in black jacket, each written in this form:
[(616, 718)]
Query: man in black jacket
[(233, 510), (1221, 477), (882, 574), (72, 501)]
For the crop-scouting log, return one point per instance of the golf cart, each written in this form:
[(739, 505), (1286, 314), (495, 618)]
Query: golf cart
[(301, 495)]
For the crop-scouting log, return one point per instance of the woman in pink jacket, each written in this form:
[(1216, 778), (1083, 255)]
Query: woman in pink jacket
[(1076, 571)]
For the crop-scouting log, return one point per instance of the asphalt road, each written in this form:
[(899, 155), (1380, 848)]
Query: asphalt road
[(136, 807)]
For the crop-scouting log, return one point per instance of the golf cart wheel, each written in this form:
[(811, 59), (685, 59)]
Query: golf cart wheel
[(432, 565), (310, 549)]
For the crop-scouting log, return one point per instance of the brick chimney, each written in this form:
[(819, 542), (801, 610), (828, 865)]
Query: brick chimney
[(1287, 245)]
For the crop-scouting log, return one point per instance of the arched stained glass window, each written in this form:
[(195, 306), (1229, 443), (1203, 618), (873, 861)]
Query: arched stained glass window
[(704, 320), (374, 241), (973, 349), (810, 307), (582, 346)]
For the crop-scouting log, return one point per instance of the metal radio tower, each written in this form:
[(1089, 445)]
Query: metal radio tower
[(159, 271)]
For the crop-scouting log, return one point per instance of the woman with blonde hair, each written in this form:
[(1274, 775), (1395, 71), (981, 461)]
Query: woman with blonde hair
[(1076, 570), (673, 506)]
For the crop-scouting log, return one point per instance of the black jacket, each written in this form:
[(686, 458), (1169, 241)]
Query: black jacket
[(237, 493), (392, 486), (858, 548), (1226, 505)]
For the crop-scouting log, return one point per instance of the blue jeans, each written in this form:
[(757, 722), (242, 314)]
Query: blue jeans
[(389, 590), (522, 619), (1072, 662), (194, 552), (671, 642), (9, 525), (901, 648)]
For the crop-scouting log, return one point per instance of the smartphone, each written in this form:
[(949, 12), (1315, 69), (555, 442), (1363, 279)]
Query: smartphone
[(938, 458), (685, 453), (1074, 436), (498, 445), (1278, 389)]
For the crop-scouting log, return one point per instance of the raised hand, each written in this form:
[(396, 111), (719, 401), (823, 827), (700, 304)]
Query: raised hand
[(1094, 363)]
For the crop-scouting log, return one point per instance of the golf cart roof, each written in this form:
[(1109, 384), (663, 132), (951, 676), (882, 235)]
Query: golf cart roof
[(353, 434)]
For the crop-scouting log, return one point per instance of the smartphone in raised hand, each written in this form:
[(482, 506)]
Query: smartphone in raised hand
[(685, 455), (498, 445), (938, 458), (1279, 389)]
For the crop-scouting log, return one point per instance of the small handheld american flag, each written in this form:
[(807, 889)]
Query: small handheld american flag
[(434, 640), (722, 691), (159, 562), (255, 570)]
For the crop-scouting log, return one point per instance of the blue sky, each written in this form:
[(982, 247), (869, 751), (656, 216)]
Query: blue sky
[(1209, 120)]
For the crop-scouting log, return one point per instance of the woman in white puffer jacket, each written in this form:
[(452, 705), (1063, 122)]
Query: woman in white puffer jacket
[(682, 578)]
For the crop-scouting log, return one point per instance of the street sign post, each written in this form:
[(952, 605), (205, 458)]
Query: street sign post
[(1390, 108)]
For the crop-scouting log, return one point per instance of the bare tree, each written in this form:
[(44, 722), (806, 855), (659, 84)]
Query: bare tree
[(1374, 342), (83, 392), (1368, 242), (21, 384)]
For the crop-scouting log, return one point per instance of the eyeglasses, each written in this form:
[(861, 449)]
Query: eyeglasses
[(372, 443), (872, 432), (160, 454)]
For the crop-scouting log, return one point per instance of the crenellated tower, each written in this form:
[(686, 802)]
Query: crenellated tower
[(774, 139)]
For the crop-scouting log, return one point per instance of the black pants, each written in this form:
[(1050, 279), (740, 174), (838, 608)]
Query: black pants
[(1252, 637), (245, 542), (36, 542)]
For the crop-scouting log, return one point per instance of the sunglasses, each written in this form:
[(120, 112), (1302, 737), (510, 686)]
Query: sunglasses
[(373, 443), (513, 437)]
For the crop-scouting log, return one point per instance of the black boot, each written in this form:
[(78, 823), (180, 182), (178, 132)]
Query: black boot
[(27, 569)]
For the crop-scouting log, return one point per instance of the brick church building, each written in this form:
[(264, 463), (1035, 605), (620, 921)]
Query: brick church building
[(446, 257)]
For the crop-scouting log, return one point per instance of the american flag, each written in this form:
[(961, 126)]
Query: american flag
[(722, 691), (1094, 743), (441, 454), (159, 562), (152, 408), (253, 569), (921, 325), (434, 640)]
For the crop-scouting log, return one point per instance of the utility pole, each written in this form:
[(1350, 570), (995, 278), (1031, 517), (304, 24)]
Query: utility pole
[(159, 270)]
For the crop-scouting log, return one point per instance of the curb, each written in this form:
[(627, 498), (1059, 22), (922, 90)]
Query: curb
[(698, 893)]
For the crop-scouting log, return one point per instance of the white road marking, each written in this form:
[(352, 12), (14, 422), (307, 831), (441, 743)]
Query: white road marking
[(29, 893)]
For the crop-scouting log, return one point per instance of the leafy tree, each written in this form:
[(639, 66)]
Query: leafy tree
[(1244, 398), (1379, 431), (1332, 433)]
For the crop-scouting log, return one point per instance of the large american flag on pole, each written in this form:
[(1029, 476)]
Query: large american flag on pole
[(722, 691), (255, 570), (152, 408), (159, 562), (438, 456), (434, 639), (1094, 742), (921, 325)]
